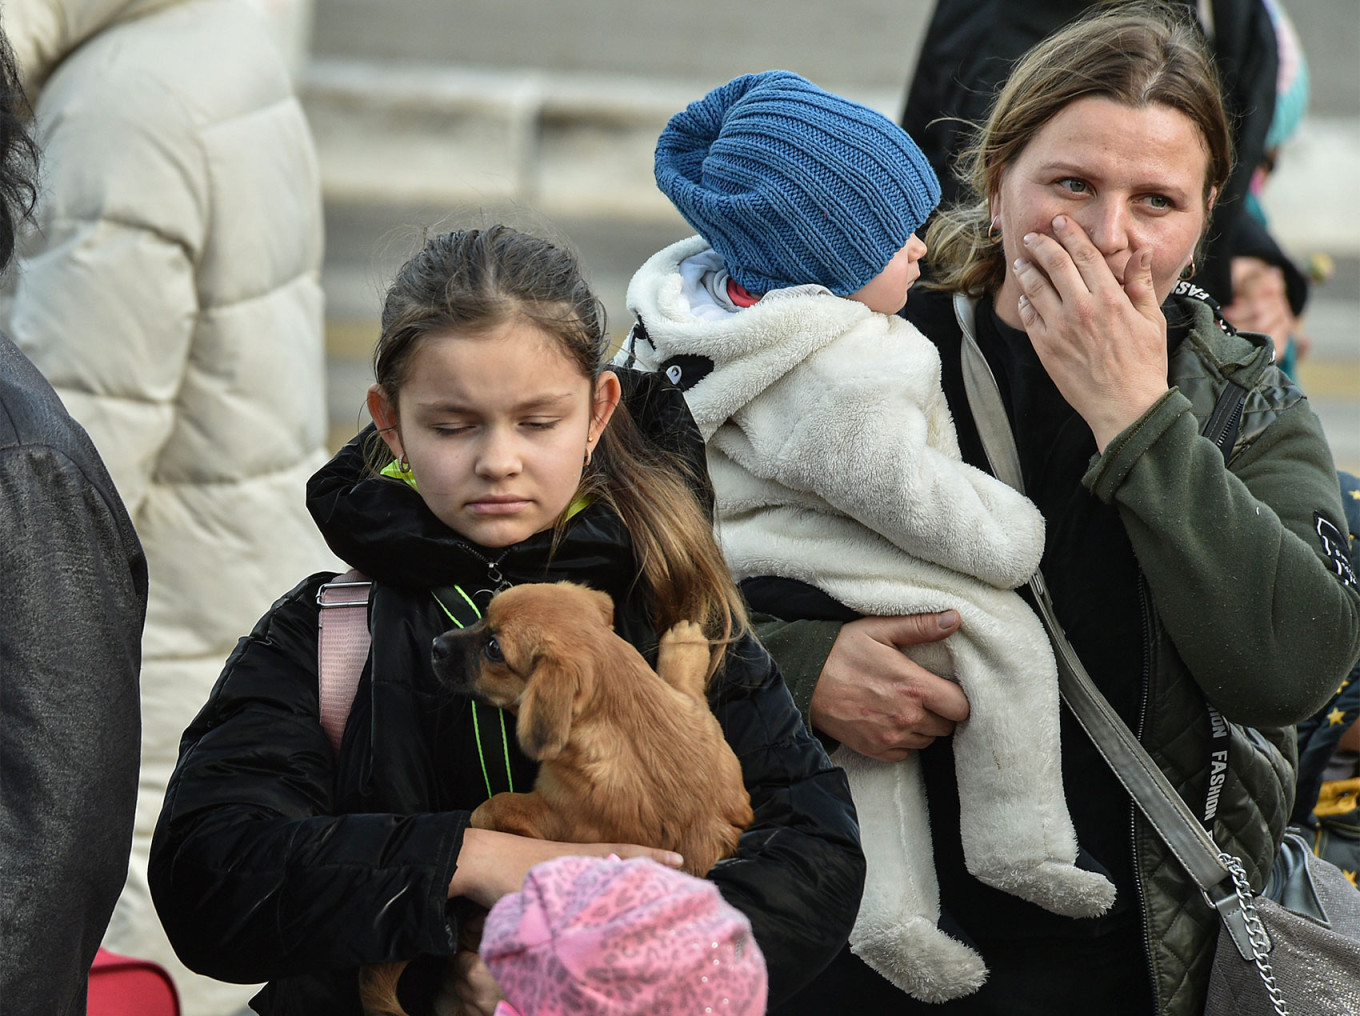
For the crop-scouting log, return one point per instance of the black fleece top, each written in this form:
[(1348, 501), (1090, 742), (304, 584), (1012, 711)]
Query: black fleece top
[(1094, 580)]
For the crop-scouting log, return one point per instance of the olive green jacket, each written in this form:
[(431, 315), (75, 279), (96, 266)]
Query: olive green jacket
[(1246, 607)]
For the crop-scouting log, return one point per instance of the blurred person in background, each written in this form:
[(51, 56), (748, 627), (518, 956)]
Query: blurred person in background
[(1259, 283), (1327, 805), (71, 609), (170, 291)]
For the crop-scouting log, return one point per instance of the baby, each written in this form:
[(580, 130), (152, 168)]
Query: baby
[(840, 488)]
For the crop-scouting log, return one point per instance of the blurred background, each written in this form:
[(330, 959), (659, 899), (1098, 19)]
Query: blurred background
[(545, 114)]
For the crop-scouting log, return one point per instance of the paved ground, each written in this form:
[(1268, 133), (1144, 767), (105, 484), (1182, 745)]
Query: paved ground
[(431, 111)]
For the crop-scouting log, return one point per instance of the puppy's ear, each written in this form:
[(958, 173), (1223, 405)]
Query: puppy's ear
[(545, 709), (604, 604)]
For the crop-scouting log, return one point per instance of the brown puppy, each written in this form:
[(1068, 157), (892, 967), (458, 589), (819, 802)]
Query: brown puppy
[(627, 755)]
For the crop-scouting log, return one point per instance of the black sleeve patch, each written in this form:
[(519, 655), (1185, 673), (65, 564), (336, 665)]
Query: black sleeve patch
[(1334, 549), (686, 371)]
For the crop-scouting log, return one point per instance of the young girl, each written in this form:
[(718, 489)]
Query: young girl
[(506, 454)]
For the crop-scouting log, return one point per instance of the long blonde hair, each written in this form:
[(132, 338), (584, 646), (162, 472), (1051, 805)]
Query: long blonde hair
[(475, 280), (1136, 54)]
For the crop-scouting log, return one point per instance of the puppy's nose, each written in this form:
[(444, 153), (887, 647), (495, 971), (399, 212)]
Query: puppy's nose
[(440, 650)]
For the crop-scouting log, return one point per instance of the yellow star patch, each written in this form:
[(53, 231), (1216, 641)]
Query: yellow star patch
[(1335, 717), (1350, 877)]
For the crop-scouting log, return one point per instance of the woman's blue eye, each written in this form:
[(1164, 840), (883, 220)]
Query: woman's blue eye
[(1073, 184)]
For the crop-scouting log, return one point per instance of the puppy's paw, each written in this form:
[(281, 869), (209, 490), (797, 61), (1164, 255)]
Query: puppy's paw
[(484, 815), (682, 658)]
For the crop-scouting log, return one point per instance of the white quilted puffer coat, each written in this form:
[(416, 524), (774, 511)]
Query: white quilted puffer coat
[(171, 293)]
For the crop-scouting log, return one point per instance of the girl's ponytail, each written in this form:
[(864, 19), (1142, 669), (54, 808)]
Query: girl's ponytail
[(654, 492)]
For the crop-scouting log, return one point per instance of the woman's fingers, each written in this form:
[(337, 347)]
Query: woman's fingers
[(878, 701), (1100, 336), (1063, 268), (1058, 273), (1088, 263), (1035, 289), (1138, 285)]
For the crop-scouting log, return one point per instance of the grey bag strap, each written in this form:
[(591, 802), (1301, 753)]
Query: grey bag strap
[(1170, 816)]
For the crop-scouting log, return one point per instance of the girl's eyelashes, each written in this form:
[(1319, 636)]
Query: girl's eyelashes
[(455, 429)]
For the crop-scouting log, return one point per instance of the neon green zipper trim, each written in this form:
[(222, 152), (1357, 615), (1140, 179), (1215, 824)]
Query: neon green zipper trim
[(476, 726)]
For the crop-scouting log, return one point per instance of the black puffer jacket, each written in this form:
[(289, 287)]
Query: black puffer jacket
[(273, 862)]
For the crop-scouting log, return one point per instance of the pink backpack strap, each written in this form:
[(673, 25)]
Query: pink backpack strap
[(342, 648)]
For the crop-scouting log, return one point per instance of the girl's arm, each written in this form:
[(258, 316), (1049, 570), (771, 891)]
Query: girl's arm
[(798, 871), (493, 864), (253, 875)]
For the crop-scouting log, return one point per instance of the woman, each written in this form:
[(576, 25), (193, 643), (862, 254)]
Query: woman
[(1194, 590)]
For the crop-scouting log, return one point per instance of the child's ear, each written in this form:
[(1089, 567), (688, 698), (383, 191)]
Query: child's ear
[(608, 392), (385, 417)]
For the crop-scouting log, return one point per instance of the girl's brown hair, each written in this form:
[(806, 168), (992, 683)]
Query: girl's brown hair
[(476, 280), (1136, 54)]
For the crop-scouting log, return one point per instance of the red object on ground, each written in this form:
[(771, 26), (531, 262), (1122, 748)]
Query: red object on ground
[(124, 986)]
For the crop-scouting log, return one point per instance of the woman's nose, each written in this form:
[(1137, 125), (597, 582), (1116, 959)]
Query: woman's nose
[(1108, 227)]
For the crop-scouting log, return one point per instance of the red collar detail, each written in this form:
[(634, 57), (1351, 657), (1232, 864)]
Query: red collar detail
[(740, 295)]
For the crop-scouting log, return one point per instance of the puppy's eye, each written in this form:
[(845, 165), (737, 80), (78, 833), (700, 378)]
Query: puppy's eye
[(492, 651)]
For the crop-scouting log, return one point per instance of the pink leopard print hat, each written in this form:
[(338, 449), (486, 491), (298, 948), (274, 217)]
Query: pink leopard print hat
[(588, 936)]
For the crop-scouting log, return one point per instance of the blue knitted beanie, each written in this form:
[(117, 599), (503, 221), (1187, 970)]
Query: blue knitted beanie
[(792, 185)]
